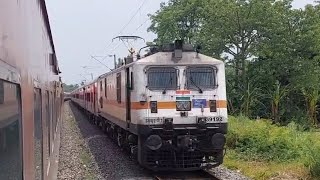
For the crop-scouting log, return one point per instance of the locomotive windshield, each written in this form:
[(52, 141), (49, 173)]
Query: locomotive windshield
[(162, 78), (200, 78)]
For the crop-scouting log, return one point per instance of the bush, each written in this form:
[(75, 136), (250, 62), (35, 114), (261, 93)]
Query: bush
[(259, 140), (312, 158)]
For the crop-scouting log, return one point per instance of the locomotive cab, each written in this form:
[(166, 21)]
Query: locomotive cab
[(181, 109)]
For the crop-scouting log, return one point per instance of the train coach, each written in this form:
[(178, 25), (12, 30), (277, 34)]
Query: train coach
[(168, 108), (30, 92)]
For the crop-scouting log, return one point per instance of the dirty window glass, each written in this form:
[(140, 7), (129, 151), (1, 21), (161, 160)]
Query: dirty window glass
[(38, 134), (162, 78), (202, 77), (10, 132)]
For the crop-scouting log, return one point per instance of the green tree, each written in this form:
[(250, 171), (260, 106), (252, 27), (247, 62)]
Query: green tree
[(69, 88), (271, 51)]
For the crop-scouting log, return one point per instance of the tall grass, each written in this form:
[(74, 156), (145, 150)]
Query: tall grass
[(260, 140)]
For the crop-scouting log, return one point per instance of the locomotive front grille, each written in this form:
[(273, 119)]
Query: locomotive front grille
[(169, 159)]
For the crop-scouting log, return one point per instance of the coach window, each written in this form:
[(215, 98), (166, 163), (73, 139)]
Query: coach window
[(55, 115), (1, 92), (10, 131), (162, 78), (48, 122), (105, 87), (38, 148), (101, 86), (119, 87)]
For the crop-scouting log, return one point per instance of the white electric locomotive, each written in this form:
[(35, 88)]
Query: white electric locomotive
[(169, 107)]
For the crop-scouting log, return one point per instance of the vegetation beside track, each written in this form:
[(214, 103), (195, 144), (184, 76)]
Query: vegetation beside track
[(262, 150), (271, 51)]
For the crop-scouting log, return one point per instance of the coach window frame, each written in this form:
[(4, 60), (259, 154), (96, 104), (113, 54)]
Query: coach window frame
[(1, 92), (19, 155), (101, 87), (38, 106), (105, 88)]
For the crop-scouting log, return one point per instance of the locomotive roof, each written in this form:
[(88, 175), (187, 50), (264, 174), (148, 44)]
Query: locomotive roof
[(164, 58), (187, 58)]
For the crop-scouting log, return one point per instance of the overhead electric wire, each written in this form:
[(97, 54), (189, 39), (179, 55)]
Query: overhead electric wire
[(138, 10), (140, 26), (101, 62), (130, 20)]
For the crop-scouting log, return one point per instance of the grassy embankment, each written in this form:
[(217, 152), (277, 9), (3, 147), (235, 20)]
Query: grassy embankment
[(261, 150)]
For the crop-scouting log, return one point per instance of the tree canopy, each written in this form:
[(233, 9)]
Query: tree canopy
[(271, 50), (69, 88)]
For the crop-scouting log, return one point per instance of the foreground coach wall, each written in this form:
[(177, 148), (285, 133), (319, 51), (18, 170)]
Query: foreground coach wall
[(30, 92)]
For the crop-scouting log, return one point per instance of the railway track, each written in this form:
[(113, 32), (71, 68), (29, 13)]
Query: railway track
[(193, 175)]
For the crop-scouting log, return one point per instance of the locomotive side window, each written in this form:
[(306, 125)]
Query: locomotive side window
[(10, 132), (131, 81), (119, 87), (38, 148), (200, 77), (162, 78)]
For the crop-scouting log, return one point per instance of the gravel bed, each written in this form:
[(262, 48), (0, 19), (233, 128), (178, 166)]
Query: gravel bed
[(87, 153), (223, 173)]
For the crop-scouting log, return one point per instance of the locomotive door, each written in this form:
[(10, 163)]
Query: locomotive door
[(128, 95)]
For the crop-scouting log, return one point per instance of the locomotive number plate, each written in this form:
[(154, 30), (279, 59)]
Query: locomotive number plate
[(214, 119), (154, 120)]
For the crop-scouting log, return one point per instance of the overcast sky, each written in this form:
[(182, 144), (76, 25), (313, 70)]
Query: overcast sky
[(82, 28)]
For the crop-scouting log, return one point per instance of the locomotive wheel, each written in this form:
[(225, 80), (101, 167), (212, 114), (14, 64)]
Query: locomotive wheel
[(119, 139), (219, 157), (103, 127), (109, 131), (92, 120)]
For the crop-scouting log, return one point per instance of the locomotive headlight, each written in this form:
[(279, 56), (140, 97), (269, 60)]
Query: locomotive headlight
[(218, 140), (154, 142), (183, 105)]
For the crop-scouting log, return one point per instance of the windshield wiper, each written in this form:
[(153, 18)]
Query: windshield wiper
[(200, 90), (165, 89)]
